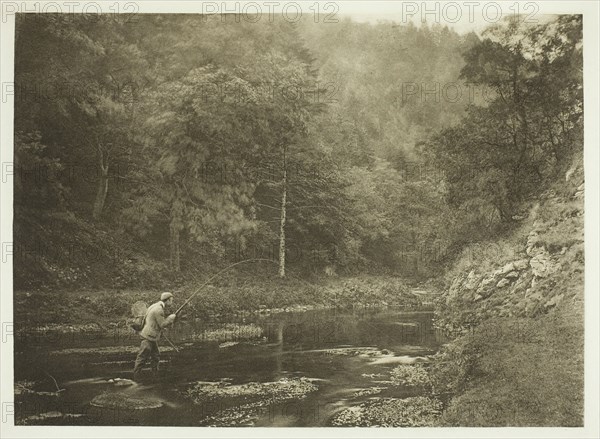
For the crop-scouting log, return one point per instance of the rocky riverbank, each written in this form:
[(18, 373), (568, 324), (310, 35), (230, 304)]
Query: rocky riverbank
[(515, 312)]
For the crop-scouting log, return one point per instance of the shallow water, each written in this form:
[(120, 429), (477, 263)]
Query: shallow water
[(342, 352)]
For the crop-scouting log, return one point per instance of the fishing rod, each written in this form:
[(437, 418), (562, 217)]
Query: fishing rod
[(216, 275), (171, 343), (219, 273)]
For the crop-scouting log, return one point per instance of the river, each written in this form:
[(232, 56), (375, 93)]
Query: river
[(342, 355)]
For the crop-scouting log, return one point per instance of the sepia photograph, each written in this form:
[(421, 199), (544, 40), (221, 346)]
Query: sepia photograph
[(299, 214)]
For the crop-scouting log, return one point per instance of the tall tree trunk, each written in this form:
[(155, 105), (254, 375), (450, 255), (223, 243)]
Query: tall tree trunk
[(102, 185), (175, 228), (174, 247), (282, 221)]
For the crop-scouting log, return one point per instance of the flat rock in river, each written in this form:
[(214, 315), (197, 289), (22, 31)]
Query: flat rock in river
[(125, 401)]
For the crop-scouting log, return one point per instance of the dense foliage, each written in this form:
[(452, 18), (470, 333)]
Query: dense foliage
[(160, 149), (507, 151)]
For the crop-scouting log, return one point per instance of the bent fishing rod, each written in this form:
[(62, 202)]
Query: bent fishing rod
[(218, 274)]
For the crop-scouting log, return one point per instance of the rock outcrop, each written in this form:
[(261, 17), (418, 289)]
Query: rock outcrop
[(539, 267)]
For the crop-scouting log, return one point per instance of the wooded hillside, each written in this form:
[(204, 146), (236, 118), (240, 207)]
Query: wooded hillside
[(152, 150)]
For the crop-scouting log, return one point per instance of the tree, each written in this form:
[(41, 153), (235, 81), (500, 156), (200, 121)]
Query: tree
[(196, 145), (509, 148), (87, 74)]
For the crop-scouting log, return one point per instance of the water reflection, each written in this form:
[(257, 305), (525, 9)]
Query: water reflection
[(322, 345)]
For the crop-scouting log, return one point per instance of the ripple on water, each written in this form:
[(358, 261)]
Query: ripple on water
[(400, 359)]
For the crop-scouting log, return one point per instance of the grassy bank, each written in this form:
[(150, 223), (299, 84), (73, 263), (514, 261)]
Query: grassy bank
[(514, 372), (233, 295)]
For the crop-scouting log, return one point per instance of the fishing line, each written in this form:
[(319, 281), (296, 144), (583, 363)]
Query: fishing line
[(189, 299), (218, 274)]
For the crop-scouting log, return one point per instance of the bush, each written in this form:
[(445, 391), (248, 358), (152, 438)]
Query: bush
[(517, 372)]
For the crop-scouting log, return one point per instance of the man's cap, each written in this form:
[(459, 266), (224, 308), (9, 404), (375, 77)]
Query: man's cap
[(165, 296)]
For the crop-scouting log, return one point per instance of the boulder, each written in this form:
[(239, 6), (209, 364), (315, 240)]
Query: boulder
[(535, 250), (503, 282), (486, 282), (486, 287), (541, 265), (523, 282), (512, 275), (508, 268), (471, 281), (533, 243), (521, 264)]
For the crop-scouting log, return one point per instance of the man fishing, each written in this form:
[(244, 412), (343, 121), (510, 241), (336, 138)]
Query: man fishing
[(154, 323)]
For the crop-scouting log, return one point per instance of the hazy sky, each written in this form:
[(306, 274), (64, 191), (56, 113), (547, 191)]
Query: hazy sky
[(462, 16)]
